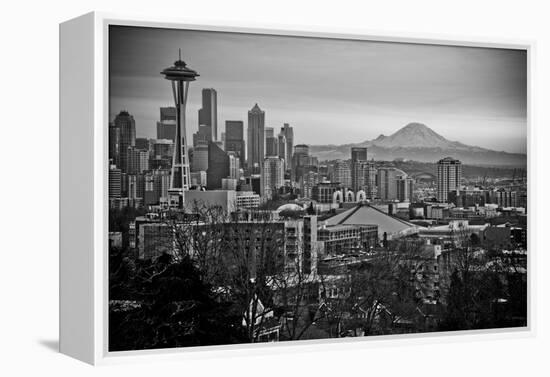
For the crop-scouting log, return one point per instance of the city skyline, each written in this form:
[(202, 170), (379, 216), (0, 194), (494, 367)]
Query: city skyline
[(294, 244), (454, 90)]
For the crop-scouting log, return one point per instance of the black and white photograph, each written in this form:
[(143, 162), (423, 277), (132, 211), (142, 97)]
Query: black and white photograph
[(277, 188)]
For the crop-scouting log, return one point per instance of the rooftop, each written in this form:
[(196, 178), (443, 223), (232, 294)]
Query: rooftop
[(365, 214), (179, 71)]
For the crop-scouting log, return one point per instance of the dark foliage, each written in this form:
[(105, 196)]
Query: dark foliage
[(164, 304), (485, 300)]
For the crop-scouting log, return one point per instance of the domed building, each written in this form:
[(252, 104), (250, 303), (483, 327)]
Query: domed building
[(289, 207)]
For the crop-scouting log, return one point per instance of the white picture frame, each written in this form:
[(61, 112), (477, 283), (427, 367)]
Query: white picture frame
[(83, 180)]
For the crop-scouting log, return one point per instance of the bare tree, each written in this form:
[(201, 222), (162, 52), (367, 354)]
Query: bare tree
[(254, 248), (296, 292)]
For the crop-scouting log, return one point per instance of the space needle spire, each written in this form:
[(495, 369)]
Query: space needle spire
[(180, 75)]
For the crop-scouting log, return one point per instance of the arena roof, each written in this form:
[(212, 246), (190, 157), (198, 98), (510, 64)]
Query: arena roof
[(364, 214)]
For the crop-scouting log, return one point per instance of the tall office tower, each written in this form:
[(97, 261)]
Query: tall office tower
[(166, 127), (234, 139), (203, 135), (166, 130), (162, 147), (127, 136), (156, 185), (342, 173), (137, 161), (160, 181), (273, 176), (364, 177), (449, 175), (289, 137), (218, 166), (149, 194), (136, 186), (200, 157), (387, 182), (358, 156), (300, 160), (179, 75), (307, 182), (234, 166), (256, 138), (168, 113), (142, 143), (114, 144), (301, 149), (281, 140), (160, 156), (115, 182), (405, 188), (271, 143), (208, 114), (370, 174)]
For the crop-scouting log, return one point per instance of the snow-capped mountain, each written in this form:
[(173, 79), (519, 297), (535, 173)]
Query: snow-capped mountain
[(417, 141)]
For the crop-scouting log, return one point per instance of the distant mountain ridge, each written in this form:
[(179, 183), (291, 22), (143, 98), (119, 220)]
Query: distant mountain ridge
[(418, 142)]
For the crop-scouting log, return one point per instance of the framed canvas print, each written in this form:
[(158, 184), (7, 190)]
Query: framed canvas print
[(226, 188)]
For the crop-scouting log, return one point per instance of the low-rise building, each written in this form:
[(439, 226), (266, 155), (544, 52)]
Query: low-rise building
[(226, 199), (457, 232), (247, 199)]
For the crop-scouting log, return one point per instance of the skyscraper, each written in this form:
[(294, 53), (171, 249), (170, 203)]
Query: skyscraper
[(156, 186), (358, 156), (364, 177), (405, 187), (309, 180), (289, 137), (271, 143), (142, 143), (127, 136), (234, 139), (208, 114), (168, 113), (256, 137), (449, 175), (166, 130), (273, 176), (137, 160), (218, 166), (200, 157), (300, 161), (342, 173), (162, 151), (387, 182), (166, 127), (234, 166), (281, 139), (114, 144), (203, 135), (179, 75), (370, 174), (115, 182)]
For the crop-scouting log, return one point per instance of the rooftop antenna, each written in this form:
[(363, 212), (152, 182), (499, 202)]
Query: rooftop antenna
[(180, 53)]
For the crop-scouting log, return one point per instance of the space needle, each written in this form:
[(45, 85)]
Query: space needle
[(180, 75)]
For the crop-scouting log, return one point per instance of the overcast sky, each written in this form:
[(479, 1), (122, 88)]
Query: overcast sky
[(330, 91)]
